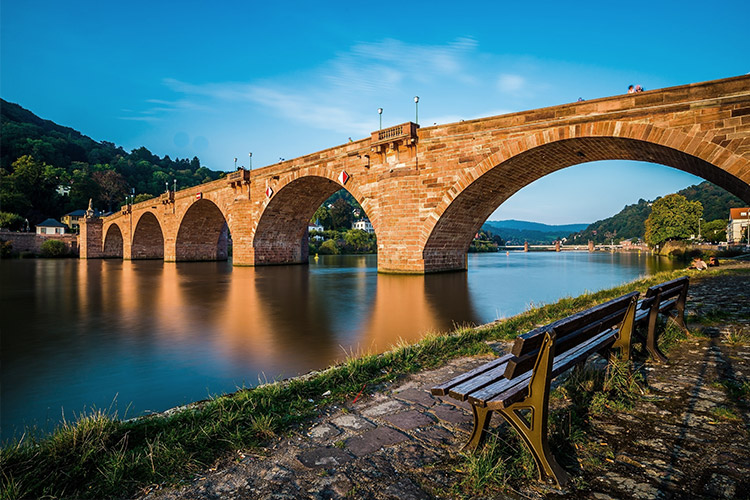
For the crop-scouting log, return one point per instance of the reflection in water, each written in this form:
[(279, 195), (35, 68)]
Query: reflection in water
[(147, 335)]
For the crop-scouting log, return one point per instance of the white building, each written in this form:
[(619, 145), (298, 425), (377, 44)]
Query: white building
[(50, 226), (739, 219), (364, 225)]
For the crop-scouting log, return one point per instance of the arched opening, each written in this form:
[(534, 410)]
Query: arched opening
[(301, 209), (203, 235), (148, 240), (113, 243), (448, 241)]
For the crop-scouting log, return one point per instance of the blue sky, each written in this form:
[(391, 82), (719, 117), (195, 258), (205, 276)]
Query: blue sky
[(282, 79)]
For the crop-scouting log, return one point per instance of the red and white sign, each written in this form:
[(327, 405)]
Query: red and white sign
[(269, 191), (198, 196), (343, 177)]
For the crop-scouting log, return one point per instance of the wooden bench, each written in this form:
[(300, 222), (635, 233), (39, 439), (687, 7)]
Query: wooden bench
[(517, 385), (663, 298)]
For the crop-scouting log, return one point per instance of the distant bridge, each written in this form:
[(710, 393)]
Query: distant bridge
[(427, 191)]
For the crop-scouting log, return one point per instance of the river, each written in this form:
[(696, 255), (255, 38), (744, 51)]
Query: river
[(142, 336)]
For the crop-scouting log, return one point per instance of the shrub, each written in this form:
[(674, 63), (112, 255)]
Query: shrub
[(6, 249), (328, 247), (54, 248)]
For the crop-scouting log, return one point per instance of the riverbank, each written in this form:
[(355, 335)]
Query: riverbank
[(100, 457)]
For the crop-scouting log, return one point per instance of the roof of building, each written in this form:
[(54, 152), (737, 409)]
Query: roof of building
[(51, 223), (739, 213), (81, 213)]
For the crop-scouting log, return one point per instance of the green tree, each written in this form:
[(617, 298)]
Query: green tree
[(12, 222), (672, 218), (328, 247), (715, 231), (323, 216), (341, 215)]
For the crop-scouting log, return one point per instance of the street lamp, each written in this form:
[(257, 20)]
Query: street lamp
[(235, 163), (416, 105), (250, 164), (380, 112)]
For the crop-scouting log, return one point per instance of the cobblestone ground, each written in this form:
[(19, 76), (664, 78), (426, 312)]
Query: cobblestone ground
[(400, 442)]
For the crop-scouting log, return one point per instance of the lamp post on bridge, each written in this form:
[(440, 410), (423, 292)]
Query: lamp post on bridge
[(380, 114), (416, 105), (250, 161)]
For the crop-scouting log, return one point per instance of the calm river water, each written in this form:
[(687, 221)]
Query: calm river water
[(143, 336)]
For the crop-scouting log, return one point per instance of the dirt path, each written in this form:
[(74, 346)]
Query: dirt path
[(690, 439)]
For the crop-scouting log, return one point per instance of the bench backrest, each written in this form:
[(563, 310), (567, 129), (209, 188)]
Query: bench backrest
[(664, 292), (570, 332)]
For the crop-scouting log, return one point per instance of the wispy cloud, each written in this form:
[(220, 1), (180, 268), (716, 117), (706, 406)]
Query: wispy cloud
[(510, 83), (331, 97)]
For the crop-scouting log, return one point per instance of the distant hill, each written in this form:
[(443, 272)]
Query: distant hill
[(630, 221), (61, 169), (516, 232)]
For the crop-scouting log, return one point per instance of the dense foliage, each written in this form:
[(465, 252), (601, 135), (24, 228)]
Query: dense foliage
[(672, 218), (485, 241), (47, 170), (336, 215), (54, 248), (630, 223)]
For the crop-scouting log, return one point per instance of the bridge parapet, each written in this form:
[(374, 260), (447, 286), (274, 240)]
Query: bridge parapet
[(405, 133)]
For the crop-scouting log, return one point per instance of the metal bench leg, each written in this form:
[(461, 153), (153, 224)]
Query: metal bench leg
[(533, 430), (651, 342), (626, 331), (679, 307), (482, 417)]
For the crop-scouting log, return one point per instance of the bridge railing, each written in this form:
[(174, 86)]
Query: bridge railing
[(405, 132)]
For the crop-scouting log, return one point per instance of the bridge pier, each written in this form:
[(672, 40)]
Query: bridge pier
[(91, 238)]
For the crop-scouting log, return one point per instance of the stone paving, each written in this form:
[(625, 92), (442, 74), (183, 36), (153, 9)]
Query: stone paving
[(403, 443)]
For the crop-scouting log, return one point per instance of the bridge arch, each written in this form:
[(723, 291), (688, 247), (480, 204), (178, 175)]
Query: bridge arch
[(280, 235), (480, 190), (113, 242), (203, 233), (148, 238)]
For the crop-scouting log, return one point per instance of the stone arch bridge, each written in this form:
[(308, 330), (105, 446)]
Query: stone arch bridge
[(428, 190)]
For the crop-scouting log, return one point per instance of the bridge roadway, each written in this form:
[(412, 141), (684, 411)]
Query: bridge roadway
[(427, 191)]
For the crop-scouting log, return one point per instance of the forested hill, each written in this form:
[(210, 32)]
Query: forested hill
[(41, 159), (630, 221), (516, 232)]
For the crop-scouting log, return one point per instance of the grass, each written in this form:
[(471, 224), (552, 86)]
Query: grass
[(99, 456), (585, 393)]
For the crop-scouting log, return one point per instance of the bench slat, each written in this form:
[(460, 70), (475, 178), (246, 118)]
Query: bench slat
[(442, 389), (461, 391), (509, 387)]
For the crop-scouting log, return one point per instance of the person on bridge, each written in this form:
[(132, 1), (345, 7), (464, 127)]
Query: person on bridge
[(631, 89)]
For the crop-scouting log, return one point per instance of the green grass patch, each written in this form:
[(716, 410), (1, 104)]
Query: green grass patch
[(725, 413), (100, 456), (737, 390)]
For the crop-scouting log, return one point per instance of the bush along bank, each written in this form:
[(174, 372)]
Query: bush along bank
[(100, 456)]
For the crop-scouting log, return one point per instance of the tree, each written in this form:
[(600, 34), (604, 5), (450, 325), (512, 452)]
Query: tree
[(112, 187), (12, 222), (672, 218), (341, 215), (715, 231)]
